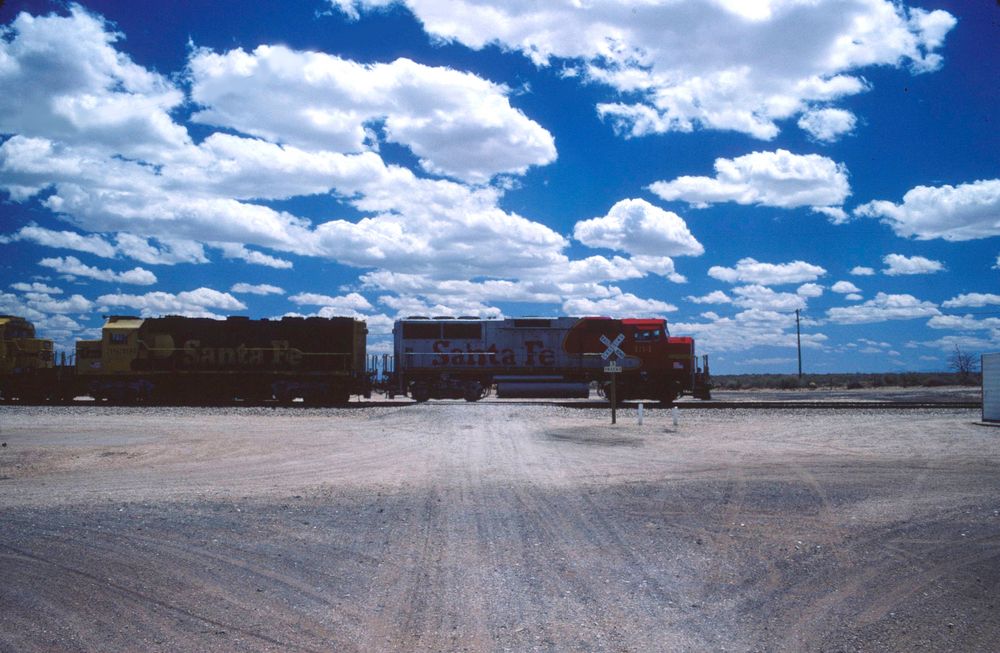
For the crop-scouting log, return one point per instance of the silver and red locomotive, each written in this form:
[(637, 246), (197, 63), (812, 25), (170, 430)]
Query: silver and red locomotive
[(465, 357)]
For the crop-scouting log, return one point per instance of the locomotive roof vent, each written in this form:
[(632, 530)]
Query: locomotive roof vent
[(532, 323), (443, 317), (242, 318), (417, 317), (468, 317)]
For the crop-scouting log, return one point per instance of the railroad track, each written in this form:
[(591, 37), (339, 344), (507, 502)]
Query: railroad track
[(759, 405), (874, 405), (581, 403)]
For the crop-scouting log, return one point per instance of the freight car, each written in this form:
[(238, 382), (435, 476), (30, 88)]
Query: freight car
[(194, 361), (439, 358), (26, 363)]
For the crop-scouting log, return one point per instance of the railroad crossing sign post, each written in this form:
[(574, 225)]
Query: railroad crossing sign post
[(612, 354)]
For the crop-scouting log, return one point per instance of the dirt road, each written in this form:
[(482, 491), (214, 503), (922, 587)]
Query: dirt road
[(451, 527)]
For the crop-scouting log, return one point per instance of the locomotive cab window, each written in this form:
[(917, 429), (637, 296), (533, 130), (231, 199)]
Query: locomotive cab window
[(463, 331), (89, 352), (118, 338), (647, 335), (421, 331)]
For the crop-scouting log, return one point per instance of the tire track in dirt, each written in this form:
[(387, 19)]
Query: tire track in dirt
[(177, 555), (145, 599)]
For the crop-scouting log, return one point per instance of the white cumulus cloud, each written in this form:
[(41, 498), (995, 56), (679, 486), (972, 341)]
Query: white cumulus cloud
[(63, 78), (828, 125), (237, 251), (351, 301), (167, 251), (74, 267), (43, 303), (749, 270), (620, 304), (780, 179), (36, 287), (678, 65), (861, 271), (810, 290), (844, 288), (92, 244), (257, 289), (882, 308), (168, 198), (973, 300), (897, 265), (955, 213), (458, 124), (764, 299), (963, 323), (714, 297), (748, 329), (638, 227), (191, 303)]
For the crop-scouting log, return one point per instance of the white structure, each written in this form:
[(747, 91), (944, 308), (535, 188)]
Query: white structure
[(991, 387)]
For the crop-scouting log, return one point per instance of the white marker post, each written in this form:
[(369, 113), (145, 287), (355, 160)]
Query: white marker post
[(640, 413), (674, 412)]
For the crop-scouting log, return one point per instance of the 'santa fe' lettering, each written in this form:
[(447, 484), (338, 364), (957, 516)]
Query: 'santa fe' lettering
[(535, 353), (278, 355)]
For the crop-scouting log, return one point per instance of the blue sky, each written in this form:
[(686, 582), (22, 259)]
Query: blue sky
[(720, 163)]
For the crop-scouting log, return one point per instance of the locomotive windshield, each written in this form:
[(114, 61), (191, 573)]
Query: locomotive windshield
[(647, 335)]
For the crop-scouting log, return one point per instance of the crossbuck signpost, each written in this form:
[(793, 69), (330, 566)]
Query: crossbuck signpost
[(612, 354)]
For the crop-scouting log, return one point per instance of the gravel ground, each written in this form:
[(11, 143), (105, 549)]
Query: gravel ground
[(889, 393), (454, 527)]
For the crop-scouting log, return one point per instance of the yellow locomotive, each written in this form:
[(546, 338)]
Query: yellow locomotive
[(26, 362), (176, 359)]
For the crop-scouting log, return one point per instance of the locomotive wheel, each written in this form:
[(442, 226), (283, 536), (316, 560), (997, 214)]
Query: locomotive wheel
[(473, 391), (670, 394), (340, 396), (420, 392)]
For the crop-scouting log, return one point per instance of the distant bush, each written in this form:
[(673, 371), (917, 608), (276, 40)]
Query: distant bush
[(851, 381)]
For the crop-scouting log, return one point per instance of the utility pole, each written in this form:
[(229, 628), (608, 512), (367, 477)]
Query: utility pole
[(798, 341)]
